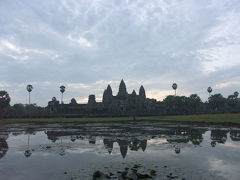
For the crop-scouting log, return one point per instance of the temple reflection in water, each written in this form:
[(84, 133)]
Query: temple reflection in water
[(127, 138), (124, 143)]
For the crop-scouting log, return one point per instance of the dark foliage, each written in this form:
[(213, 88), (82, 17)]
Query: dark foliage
[(4, 102), (27, 110)]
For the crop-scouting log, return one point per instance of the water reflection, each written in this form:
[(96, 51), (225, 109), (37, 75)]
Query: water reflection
[(62, 151), (128, 138), (167, 148), (28, 152), (3, 147), (108, 144), (3, 143), (235, 135), (218, 136), (92, 140)]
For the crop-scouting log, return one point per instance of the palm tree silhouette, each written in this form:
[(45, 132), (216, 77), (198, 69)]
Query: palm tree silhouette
[(174, 86), (236, 94), (209, 90), (29, 89), (62, 90)]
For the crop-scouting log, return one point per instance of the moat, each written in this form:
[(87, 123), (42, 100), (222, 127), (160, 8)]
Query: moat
[(76, 151)]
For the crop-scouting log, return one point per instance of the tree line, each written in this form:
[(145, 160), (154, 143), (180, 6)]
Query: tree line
[(171, 105), (193, 104)]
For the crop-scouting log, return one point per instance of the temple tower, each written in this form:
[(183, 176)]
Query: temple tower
[(107, 96), (73, 101), (142, 98), (109, 90), (91, 100), (122, 92), (142, 93)]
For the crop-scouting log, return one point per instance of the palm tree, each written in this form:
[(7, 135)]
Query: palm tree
[(209, 90), (236, 94), (174, 86), (29, 89), (62, 90)]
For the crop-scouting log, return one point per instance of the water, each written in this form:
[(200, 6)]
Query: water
[(76, 151)]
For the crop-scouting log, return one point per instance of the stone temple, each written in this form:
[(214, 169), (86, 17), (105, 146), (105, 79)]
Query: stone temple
[(122, 103)]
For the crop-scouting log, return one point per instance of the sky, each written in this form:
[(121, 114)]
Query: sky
[(87, 44)]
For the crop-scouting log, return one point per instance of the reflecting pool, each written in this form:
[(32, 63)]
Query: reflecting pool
[(152, 150)]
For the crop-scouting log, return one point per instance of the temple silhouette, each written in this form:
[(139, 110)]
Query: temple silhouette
[(121, 104)]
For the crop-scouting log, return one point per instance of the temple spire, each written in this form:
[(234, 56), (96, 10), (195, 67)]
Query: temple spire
[(122, 89), (142, 93), (109, 90), (134, 92), (107, 95)]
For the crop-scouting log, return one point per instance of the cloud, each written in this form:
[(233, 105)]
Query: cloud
[(223, 40), (227, 84), (86, 45), (80, 40)]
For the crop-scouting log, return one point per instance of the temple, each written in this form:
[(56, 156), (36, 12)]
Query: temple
[(122, 104)]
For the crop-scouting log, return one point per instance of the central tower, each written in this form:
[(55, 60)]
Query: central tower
[(122, 92)]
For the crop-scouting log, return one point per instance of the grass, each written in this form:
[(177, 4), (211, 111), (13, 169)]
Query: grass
[(64, 120), (213, 118), (207, 118)]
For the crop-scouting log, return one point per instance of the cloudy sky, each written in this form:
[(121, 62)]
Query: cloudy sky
[(87, 44)]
